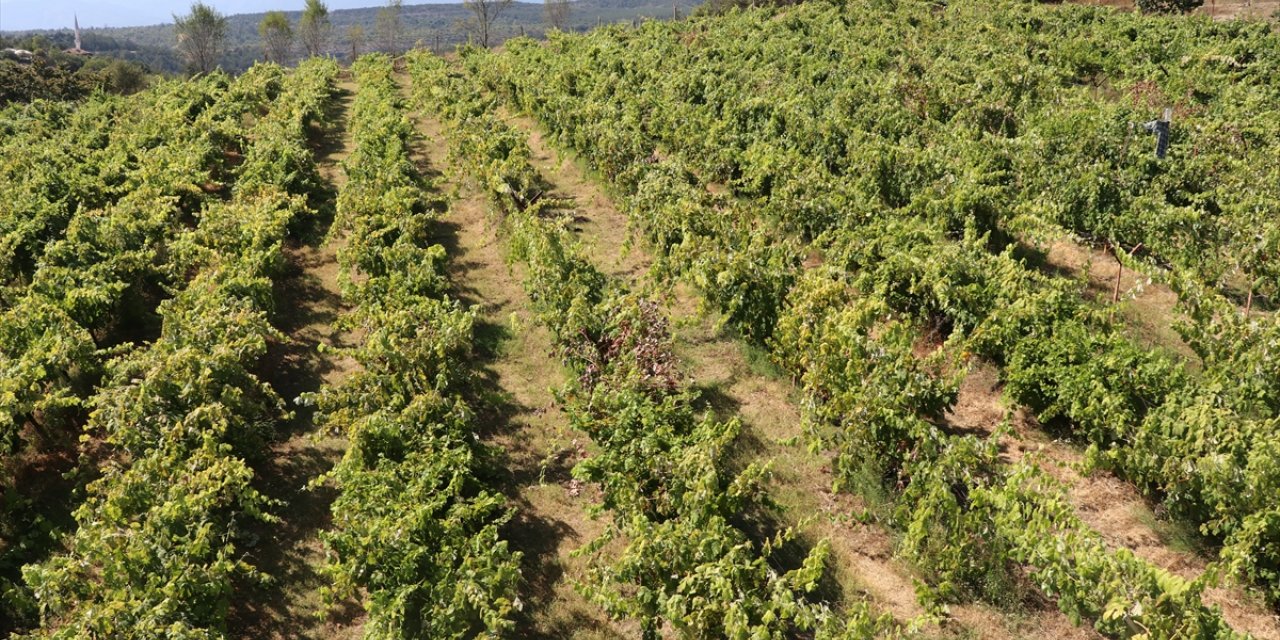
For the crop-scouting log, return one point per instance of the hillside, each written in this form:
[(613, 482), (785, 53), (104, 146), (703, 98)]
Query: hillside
[(835, 321), (428, 24)]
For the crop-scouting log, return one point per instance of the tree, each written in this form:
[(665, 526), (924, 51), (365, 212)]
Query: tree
[(201, 36), (277, 36), (388, 26), (557, 13), (314, 27), (116, 75), (355, 35), (484, 12)]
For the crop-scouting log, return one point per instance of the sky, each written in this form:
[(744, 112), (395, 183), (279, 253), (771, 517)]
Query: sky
[(17, 15)]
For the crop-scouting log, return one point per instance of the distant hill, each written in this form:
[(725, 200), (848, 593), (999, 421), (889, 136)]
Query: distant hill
[(431, 24), (22, 15)]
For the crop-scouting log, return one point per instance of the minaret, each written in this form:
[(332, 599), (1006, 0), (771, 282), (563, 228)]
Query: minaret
[(78, 47)]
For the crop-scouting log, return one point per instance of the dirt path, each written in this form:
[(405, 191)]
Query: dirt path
[(524, 423), (1147, 309), (600, 225), (1112, 507), (290, 551), (735, 381), (732, 382)]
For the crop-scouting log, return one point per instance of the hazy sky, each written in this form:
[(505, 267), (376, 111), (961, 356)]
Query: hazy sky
[(56, 14)]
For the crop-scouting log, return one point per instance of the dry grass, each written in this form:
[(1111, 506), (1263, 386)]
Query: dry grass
[(290, 551), (1112, 507), (1147, 309)]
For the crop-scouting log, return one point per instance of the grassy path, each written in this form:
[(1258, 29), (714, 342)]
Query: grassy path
[(1107, 504), (1115, 508), (535, 446), (291, 551)]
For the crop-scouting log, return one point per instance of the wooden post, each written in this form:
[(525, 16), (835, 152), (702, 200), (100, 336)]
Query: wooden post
[(1248, 302), (675, 11), (1162, 133), (1115, 293), (1115, 252)]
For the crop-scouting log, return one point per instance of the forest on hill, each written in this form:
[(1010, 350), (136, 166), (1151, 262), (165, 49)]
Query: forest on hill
[(431, 25)]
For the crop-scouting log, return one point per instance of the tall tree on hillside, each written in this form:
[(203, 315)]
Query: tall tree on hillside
[(557, 14), (277, 36), (355, 35), (388, 26), (201, 36), (483, 13), (314, 27)]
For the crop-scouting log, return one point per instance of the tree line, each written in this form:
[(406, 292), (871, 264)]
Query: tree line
[(51, 74), (202, 34)]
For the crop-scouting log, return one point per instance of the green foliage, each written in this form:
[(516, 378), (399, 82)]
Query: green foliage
[(672, 501), (41, 79), (118, 76), (414, 527), (1168, 6), (911, 173), (873, 166), (157, 546), (46, 356), (201, 37), (83, 240), (314, 27), (277, 36), (1128, 597)]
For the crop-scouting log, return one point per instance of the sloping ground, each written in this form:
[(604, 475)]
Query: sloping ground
[(1148, 308), (1106, 503), (535, 445), (1109, 505), (735, 381), (537, 448), (291, 551)]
